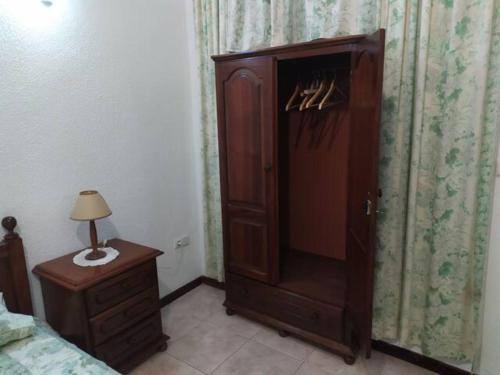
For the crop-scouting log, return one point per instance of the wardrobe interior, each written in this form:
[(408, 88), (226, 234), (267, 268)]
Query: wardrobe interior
[(313, 177)]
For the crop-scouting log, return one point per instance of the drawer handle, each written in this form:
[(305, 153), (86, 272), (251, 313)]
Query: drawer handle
[(127, 284), (132, 312), (116, 290), (138, 308), (139, 338), (132, 282)]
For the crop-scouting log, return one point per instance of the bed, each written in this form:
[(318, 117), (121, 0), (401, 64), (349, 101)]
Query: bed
[(44, 352)]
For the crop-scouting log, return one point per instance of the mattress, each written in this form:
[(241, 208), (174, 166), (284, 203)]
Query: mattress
[(47, 353)]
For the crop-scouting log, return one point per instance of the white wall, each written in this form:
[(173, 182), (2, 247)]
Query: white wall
[(96, 94), (99, 94), (490, 360)]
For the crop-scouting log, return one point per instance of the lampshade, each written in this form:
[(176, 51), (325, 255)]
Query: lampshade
[(90, 205)]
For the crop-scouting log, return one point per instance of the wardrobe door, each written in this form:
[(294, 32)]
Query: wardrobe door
[(246, 123), (365, 104)]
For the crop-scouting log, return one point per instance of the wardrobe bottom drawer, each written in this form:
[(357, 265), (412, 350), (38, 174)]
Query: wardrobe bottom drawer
[(301, 312), (126, 344), (322, 319), (248, 293)]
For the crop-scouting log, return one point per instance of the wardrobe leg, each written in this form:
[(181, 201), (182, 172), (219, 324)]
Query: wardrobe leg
[(229, 311), (349, 359), (369, 353), (283, 333)]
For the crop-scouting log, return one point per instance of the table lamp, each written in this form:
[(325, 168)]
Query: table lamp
[(90, 206)]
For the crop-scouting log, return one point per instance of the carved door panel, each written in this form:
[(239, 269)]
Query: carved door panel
[(247, 122)]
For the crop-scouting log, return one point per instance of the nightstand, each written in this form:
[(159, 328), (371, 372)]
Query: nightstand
[(112, 311)]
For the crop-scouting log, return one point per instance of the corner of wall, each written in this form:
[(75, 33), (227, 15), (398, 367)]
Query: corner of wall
[(196, 126)]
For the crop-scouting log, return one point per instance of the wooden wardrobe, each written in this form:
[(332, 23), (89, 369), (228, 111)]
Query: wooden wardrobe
[(299, 187)]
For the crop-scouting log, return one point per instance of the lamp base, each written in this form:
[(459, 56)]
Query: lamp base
[(95, 255)]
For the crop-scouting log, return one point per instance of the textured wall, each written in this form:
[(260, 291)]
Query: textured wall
[(96, 94)]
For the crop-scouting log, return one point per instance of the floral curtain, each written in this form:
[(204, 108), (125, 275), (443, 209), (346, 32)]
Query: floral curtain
[(441, 111)]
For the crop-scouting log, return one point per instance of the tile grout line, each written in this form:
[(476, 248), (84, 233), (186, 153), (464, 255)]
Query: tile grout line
[(300, 366), (246, 341), (206, 320), (233, 331), (227, 359), (187, 364), (186, 333), (279, 351)]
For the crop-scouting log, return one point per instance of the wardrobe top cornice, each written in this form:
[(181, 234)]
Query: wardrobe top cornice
[(292, 48)]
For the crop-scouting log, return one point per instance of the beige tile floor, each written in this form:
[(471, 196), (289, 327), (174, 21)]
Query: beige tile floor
[(204, 340)]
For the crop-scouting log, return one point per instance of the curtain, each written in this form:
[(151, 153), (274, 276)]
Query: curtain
[(440, 119)]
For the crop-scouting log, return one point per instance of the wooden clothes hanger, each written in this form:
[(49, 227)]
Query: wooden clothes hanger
[(324, 102), (308, 93), (319, 91), (295, 95), (329, 94), (313, 92)]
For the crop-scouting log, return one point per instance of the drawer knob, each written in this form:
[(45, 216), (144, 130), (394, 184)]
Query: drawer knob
[(140, 337), (139, 308)]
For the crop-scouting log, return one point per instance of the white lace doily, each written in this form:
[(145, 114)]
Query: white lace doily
[(79, 259)]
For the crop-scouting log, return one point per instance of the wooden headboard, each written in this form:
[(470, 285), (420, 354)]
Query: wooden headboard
[(14, 282)]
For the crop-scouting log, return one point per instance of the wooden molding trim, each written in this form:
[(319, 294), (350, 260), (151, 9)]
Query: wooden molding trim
[(290, 48), (406, 355), (212, 282), (169, 298), (165, 300), (417, 359)]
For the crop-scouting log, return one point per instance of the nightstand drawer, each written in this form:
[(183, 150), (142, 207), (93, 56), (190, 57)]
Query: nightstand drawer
[(128, 343), (113, 310), (119, 288), (124, 315)]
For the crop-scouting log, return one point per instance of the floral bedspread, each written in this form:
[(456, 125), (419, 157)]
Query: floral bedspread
[(46, 353)]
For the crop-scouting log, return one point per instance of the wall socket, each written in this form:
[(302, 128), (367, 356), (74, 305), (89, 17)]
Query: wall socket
[(182, 242)]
